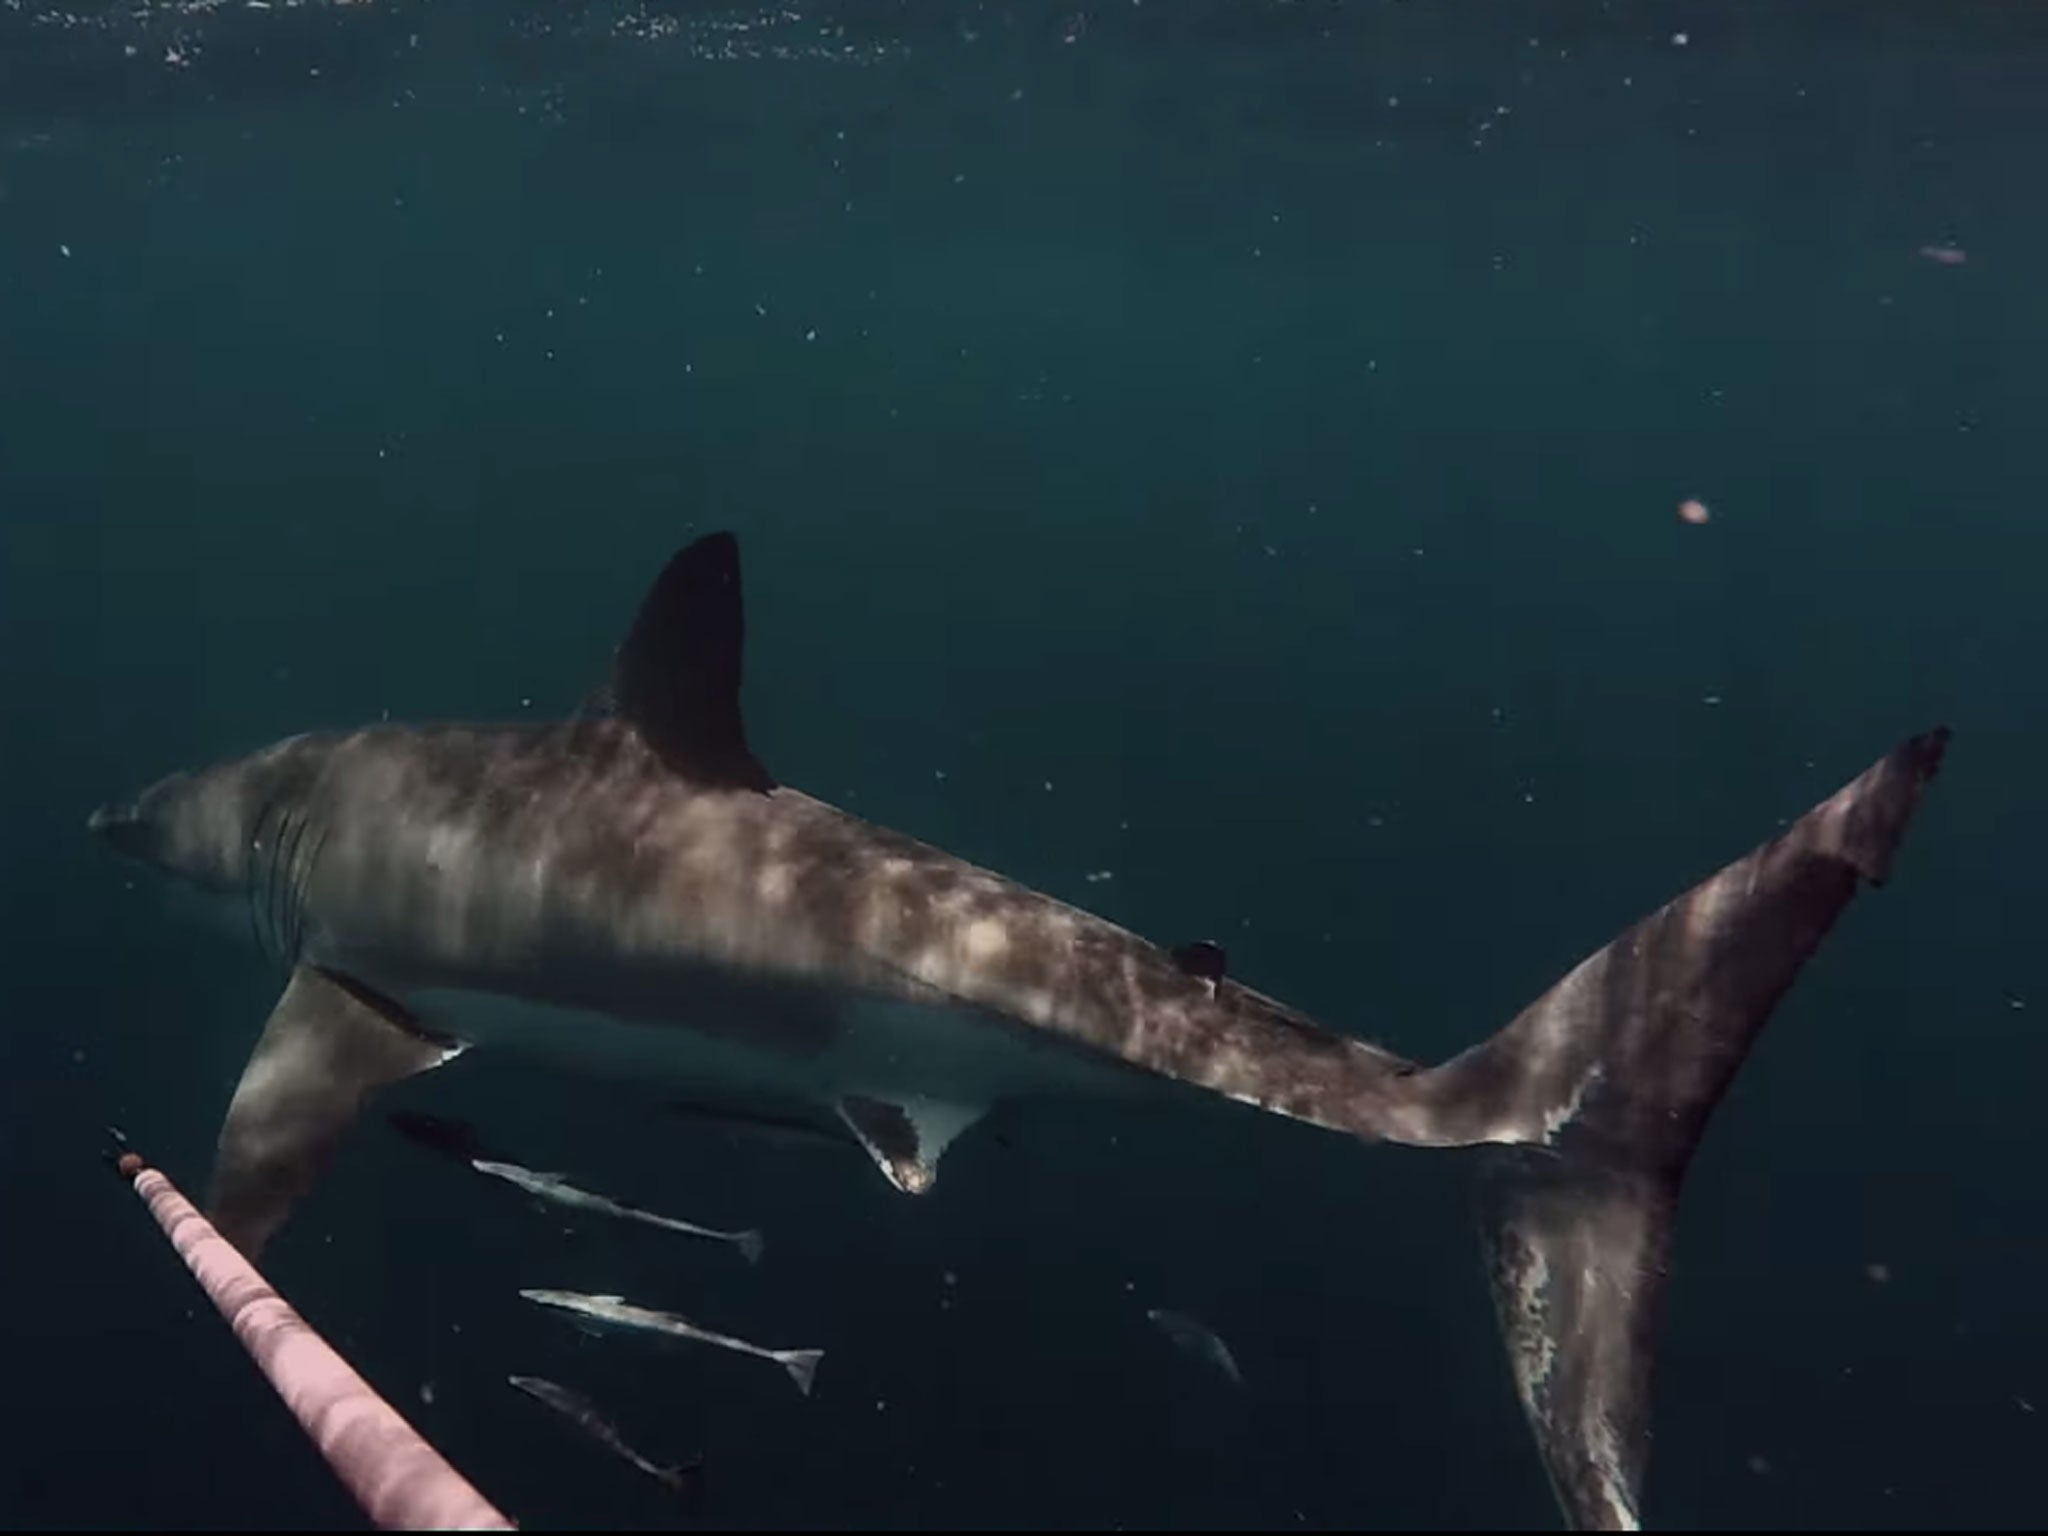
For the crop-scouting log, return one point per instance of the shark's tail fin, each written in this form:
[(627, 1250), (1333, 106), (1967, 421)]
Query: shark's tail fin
[(1596, 1097)]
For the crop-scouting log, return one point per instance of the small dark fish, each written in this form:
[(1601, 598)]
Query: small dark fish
[(438, 1133), (786, 1132), (685, 1479), (765, 1126), (1197, 1339)]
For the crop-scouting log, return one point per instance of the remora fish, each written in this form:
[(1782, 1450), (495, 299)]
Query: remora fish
[(582, 1412), (802, 1364), (459, 1140), (549, 1186), (630, 889), (1197, 1338)]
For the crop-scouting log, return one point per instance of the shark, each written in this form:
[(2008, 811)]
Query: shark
[(628, 889)]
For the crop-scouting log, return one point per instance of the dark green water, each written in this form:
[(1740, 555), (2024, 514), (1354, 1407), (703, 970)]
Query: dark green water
[(1260, 423)]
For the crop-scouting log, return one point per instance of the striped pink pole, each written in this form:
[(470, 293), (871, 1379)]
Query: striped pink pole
[(401, 1481)]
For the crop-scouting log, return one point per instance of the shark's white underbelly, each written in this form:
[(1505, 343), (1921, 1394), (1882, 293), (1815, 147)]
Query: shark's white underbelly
[(884, 1050)]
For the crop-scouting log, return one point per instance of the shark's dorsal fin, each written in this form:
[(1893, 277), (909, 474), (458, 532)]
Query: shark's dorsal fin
[(676, 677), (330, 1043)]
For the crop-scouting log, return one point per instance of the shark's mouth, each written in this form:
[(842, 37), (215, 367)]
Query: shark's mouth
[(122, 828), (110, 815)]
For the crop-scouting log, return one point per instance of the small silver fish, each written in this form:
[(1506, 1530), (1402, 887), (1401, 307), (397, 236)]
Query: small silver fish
[(580, 1411), (1197, 1339), (802, 1364), (550, 1186)]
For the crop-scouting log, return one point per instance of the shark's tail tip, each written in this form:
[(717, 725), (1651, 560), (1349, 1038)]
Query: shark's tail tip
[(1596, 1096), (802, 1365)]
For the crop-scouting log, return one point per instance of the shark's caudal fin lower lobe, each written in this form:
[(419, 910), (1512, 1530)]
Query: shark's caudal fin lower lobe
[(1595, 1098)]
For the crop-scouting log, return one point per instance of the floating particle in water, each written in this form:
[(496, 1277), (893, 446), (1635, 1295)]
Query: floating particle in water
[(1680, 39), (1693, 510), (1710, 698), (1759, 1466), (1945, 255), (2014, 1000), (427, 1393), (1879, 1274), (1097, 876), (64, 250)]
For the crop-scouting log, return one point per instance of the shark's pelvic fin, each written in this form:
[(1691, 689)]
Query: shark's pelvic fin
[(1597, 1096), (676, 677), (907, 1136), (330, 1043)]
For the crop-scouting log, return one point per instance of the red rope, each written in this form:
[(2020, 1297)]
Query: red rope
[(401, 1481)]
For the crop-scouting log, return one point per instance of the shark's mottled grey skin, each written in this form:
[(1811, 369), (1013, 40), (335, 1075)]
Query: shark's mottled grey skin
[(633, 879)]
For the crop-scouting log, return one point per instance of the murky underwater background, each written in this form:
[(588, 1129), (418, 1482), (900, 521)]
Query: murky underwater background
[(1233, 446)]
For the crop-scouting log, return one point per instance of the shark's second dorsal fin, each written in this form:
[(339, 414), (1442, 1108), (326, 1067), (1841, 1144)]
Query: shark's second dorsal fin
[(1204, 959), (676, 678)]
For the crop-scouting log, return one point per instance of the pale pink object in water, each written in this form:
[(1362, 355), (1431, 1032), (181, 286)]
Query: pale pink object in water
[(1945, 255), (401, 1481), (1693, 511)]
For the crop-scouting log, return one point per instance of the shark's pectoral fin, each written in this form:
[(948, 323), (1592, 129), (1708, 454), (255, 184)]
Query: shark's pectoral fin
[(907, 1136), (330, 1042)]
